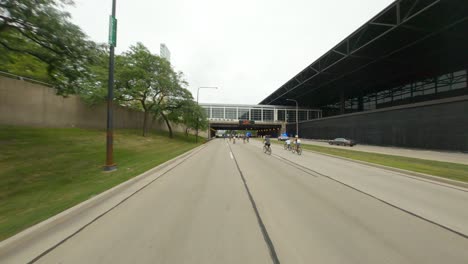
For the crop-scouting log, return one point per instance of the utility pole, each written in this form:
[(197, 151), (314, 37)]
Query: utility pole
[(110, 165)]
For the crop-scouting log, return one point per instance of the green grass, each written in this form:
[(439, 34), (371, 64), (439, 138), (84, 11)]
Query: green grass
[(44, 171), (447, 170)]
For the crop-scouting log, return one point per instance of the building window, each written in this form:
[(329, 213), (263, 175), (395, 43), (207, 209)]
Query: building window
[(281, 115), (244, 113), (267, 115), (207, 112), (256, 114), (290, 116), (218, 112), (302, 115), (231, 113)]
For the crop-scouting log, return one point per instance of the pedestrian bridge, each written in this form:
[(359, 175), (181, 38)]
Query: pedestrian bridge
[(270, 119), (266, 114)]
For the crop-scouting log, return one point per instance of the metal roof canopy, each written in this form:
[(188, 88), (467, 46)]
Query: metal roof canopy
[(409, 40)]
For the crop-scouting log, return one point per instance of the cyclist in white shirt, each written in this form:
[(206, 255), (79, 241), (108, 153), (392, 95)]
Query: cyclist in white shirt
[(297, 142), (288, 143)]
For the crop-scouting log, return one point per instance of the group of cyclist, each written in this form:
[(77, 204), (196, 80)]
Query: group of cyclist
[(296, 142), (232, 138)]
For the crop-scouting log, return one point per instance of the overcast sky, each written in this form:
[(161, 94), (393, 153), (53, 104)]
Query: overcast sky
[(247, 48)]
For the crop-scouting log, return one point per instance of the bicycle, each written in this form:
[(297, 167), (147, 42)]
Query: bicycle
[(297, 149), (267, 149)]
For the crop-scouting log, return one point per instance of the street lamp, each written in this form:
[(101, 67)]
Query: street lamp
[(297, 116), (198, 92)]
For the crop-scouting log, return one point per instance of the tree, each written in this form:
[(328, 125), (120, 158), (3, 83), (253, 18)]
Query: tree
[(189, 114), (174, 97), (93, 89), (39, 29), (141, 80)]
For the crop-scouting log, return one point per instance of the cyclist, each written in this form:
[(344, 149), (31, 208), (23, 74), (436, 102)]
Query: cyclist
[(288, 144), (297, 142), (267, 141)]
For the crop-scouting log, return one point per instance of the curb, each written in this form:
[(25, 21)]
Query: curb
[(402, 171), (33, 241)]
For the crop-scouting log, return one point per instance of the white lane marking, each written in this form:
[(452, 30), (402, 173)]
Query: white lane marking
[(230, 153)]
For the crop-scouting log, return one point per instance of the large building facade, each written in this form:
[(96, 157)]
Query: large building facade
[(400, 79)]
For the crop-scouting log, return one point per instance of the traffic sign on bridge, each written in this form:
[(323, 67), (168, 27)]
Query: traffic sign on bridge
[(246, 122)]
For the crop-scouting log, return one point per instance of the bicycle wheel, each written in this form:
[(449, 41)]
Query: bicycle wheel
[(268, 151), (299, 151), (285, 146), (264, 149)]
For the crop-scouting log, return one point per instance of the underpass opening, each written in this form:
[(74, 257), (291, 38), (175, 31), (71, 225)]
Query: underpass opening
[(253, 129)]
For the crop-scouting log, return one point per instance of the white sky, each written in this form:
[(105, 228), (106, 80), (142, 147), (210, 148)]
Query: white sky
[(247, 48)]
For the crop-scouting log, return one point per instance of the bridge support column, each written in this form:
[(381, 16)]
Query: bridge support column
[(283, 127)]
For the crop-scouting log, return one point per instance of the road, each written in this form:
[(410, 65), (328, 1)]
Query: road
[(231, 203)]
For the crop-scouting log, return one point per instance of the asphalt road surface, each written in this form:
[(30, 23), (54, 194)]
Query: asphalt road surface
[(231, 203)]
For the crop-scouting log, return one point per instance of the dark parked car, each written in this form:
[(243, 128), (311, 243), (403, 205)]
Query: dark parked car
[(342, 142)]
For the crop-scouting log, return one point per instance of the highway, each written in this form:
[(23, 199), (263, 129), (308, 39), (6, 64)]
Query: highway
[(231, 203)]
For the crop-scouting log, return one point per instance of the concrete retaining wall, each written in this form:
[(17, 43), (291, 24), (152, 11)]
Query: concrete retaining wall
[(24, 103), (440, 124)]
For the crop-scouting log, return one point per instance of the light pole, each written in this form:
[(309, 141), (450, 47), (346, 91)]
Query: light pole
[(110, 165), (198, 92), (297, 116)]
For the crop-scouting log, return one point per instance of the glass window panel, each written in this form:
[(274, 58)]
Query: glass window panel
[(302, 115), (218, 112), (429, 88), (443, 88), (459, 85), (312, 115), (207, 112), (291, 116), (281, 115), (231, 113), (244, 113), (267, 115), (256, 114)]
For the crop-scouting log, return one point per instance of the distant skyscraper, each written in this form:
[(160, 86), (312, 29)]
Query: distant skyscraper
[(164, 52)]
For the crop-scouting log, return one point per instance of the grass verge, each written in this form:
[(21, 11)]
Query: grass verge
[(447, 170), (44, 171)]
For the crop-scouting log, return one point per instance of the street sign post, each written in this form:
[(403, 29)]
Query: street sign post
[(110, 165), (112, 31)]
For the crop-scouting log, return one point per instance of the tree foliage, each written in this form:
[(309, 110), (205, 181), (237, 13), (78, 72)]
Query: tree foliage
[(140, 80), (189, 114), (39, 31)]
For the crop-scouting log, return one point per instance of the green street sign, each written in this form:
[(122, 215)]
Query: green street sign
[(112, 31)]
